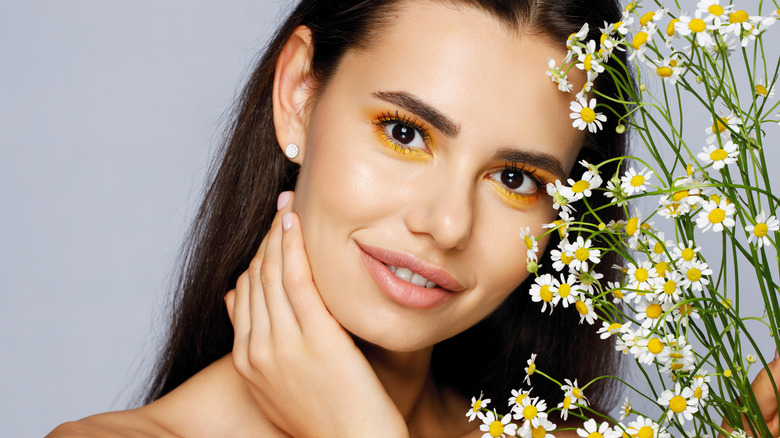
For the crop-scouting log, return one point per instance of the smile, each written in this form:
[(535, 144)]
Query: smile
[(408, 280)]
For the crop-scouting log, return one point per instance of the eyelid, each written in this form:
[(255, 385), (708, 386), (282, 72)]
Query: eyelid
[(516, 199), (387, 118)]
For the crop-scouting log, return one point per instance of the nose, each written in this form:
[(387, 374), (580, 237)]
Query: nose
[(443, 212)]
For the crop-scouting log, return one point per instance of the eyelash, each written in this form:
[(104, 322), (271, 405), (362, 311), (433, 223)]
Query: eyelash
[(386, 119)]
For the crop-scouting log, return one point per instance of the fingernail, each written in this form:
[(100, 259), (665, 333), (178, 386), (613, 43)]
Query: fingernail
[(282, 201), (287, 221)]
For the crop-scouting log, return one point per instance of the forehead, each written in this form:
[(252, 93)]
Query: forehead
[(469, 65)]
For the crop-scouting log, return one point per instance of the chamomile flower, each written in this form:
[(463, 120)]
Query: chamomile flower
[(639, 43), (634, 183), (574, 41), (615, 191), (697, 28), (716, 216), (561, 258), (607, 330), (531, 245), (696, 276), (589, 60), (530, 368), (616, 289), (495, 427), (625, 409), (668, 290), (645, 428), (762, 90), (685, 253), (583, 187), (761, 229), (711, 11), (558, 192), (700, 389), (592, 429), (650, 19), (530, 413), (678, 357), (567, 292), (542, 290), (719, 157), (517, 397), (650, 347), (558, 76), (573, 390), (671, 209), (641, 275), (585, 309), (659, 247), (649, 313), (722, 128), (680, 402), (477, 404), (583, 253), (669, 68), (562, 223), (585, 116)]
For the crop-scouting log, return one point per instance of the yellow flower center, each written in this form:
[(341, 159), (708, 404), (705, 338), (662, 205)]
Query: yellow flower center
[(653, 311), (641, 275), (588, 115), (739, 16), (588, 62), (638, 180), (564, 290), (718, 155), (717, 215), (760, 230), (670, 27), (538, 432), (715, 10), (595, 435), (602, 39), (581, 185), (519, 399), (673, 63), (581, 307), (570, 40), (669, 287), (658, 248), (720, 125), (582, 254), (685, 309), (761, 90), (727, 373), (640, 39), (577, 393), (655, 345), (697, 393), (566, 402), (661, 268), (632, 226), (477, 405), (677, 404), (676, 366), (546, 294), (645, 432), (648, 17), (693, 274), (618, 294), (687, 254), (529, 412), (697, 25), (566, 259), (676, 355), (529, 242), (496, 428), (679, 196), (614, 326), (664, 71)]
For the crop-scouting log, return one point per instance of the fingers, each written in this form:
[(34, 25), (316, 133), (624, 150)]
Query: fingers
[(765, 392)]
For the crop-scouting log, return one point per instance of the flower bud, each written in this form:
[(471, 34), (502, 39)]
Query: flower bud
[(751, 358), (532, 267), (620, 128)]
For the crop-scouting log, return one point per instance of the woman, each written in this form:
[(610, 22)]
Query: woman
[(388, 288)]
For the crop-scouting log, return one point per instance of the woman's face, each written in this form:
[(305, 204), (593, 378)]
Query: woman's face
[(429, 151)]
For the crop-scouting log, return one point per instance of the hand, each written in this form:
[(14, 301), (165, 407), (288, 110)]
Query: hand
[(303, 369), (766, 398)]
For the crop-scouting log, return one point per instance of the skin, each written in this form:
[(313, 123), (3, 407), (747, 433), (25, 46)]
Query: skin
[(295, 370)]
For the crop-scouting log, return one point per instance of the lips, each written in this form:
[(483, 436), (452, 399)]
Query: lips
[(379, 263)]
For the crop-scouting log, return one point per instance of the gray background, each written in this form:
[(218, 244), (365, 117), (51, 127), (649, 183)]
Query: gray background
[(109, 113)]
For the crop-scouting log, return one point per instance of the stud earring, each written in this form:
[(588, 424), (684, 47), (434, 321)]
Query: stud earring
[(291, 150)]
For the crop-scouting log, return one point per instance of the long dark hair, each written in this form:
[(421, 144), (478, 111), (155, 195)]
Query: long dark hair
[(250, 171)]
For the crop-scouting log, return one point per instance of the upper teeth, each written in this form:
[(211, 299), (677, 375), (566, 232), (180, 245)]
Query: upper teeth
[(411, 277)]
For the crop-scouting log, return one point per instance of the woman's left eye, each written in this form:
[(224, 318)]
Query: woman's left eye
[(405, 135), (517, 181)]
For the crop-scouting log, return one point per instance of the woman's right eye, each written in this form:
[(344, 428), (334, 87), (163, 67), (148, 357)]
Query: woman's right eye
[(403, 134)]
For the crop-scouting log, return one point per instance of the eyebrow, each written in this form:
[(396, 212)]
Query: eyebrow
[(546, 162), (417, 106)]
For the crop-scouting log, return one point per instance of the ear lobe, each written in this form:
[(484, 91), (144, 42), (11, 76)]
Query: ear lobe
[(292, 89)]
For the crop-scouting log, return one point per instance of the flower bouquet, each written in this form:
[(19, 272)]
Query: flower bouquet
[(677, 309)]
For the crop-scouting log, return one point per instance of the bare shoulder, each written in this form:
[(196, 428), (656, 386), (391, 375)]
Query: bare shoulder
[(121, 424)]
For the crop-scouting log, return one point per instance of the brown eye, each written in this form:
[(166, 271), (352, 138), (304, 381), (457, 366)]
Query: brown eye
[(403, 134), (516, 180)]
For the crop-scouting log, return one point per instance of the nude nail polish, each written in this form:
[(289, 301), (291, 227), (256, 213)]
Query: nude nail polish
[(282, 201)]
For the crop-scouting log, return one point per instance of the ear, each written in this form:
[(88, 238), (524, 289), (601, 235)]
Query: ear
[(292, 89)]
